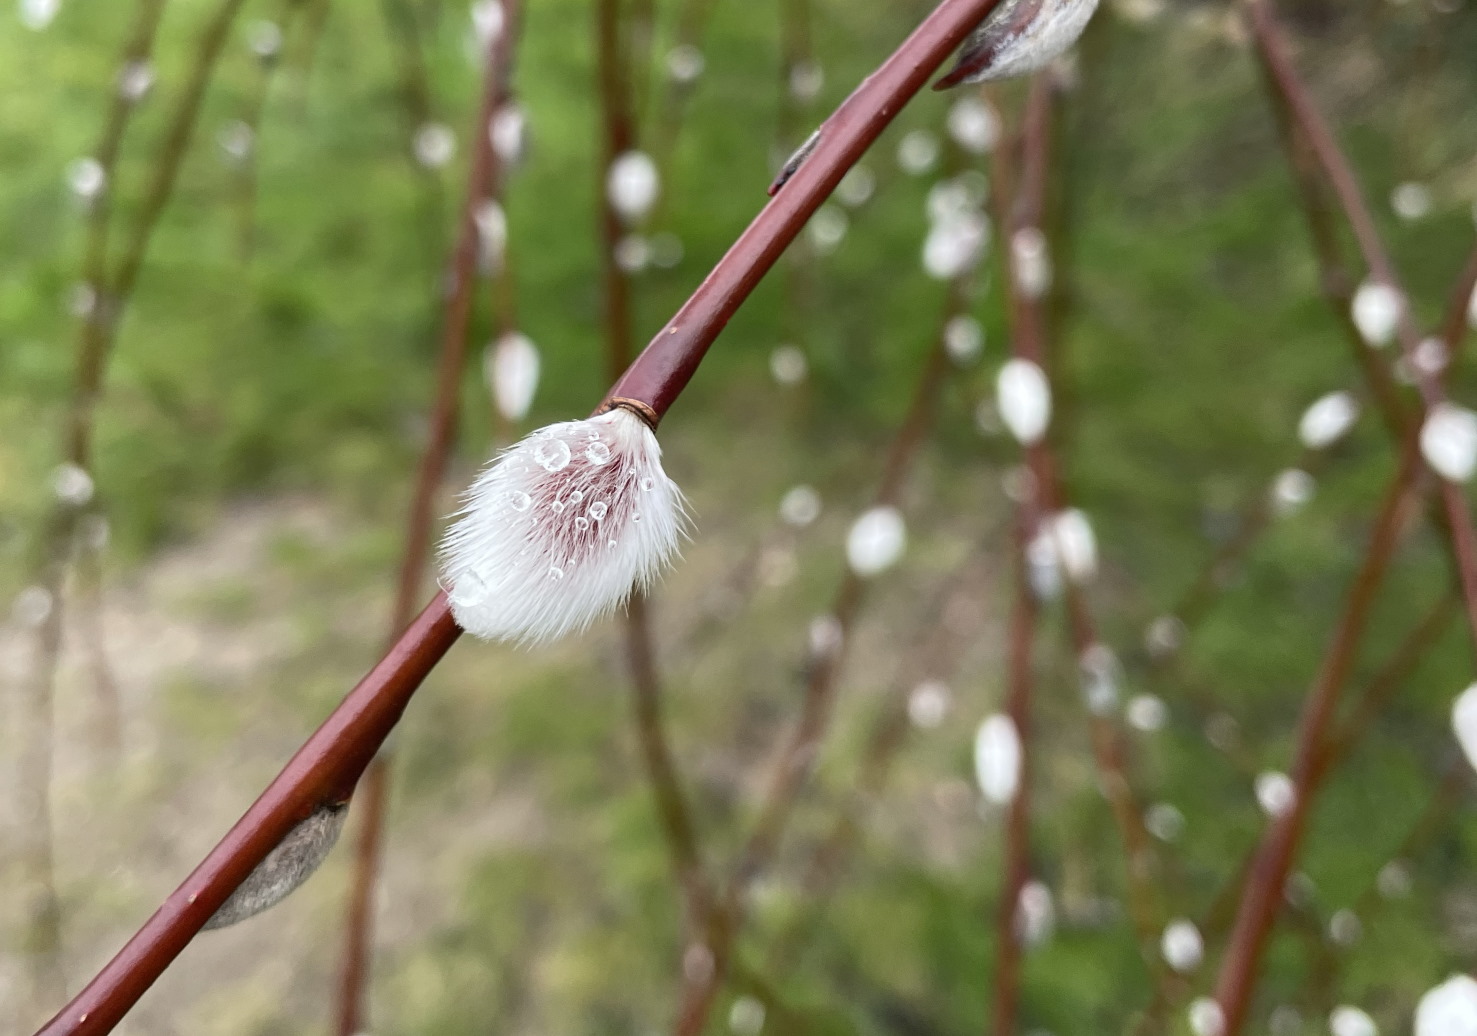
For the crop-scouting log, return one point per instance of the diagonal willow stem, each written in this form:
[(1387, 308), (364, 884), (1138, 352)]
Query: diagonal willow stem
[(332, 759), (1374, 695), (483, 179), (670, 360), (1345, 186), (935, 655), (1262, 891), (1274, 856), (678, 826)]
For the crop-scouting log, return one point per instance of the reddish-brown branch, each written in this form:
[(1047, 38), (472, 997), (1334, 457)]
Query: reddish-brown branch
[(798, 754), (482, 180), (1017, 861), (668, 363), (661, 767), (319, 773), (334, 758), (1028, 337), (619, 135), (1336, 748), (1345, 186), (1333, 275), (1455, 324), (1263, 889)]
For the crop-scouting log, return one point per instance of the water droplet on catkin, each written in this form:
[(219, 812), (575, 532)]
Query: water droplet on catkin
[(597, 453), (552, 454)]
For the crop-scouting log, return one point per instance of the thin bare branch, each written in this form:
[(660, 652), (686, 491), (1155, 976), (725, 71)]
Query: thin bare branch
[(483, 180)]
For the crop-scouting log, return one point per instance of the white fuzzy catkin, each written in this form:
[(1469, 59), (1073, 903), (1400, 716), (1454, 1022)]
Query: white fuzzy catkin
[(1449, 441), (997, 759), (632, 184), (1023, 396), (1464, 722), (511, 365), (1014, 41), (560, 528), (1448, 1010)]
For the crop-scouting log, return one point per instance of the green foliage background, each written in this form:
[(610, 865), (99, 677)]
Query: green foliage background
[(262, 419)]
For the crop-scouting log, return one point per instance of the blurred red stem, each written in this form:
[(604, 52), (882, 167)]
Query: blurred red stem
[(619, 135), (1017, 860), (1345, 185), (482, 180), (797, 757), (1028, 342), (1263, 889)]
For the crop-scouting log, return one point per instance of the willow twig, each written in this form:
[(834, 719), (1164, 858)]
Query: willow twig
[(1029, 331), (53, 550), (248, 171), (935, 655), (1263, 888), (798, 754), (482, 180), (617, 73), (1345, 186)]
